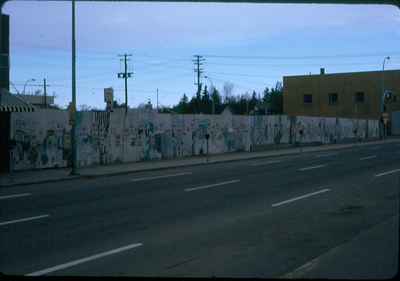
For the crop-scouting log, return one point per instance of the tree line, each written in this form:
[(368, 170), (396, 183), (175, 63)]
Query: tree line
[(211, 101)]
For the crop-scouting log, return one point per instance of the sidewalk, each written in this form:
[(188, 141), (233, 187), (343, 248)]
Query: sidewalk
[(61, 174)]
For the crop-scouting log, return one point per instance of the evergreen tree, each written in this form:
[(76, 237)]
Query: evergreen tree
[(183, 105), (216, 101), (205, 103)]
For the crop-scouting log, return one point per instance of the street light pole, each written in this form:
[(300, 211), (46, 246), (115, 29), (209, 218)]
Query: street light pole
[(73, 103), (26, 83), (383, 96)]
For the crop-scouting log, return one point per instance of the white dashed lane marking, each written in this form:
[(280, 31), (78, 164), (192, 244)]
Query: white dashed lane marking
[(211, 185), (83, 260), (14, 196), (300, 197), (24, 219), (312, 167), (387, 173), (367, 157), (160, 177)]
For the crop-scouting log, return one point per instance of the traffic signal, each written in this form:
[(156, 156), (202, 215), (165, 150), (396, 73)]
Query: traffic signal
[(388, 96)]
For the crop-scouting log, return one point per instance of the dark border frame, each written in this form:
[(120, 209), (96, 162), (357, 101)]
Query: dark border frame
[(347, 2)]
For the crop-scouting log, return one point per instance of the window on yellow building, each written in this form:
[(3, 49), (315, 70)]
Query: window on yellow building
[(359, 97), (333, 98), (307, 98)]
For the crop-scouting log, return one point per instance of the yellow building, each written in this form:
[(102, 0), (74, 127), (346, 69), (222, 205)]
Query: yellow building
[(347, 95)]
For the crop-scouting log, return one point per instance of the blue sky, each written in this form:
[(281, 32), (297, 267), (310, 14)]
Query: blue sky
[(250, 45)]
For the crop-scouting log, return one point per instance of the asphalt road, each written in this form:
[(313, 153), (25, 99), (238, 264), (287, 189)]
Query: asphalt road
[(324, 214)]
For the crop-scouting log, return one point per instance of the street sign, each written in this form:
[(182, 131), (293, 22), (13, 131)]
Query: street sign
[(71, 111), (109, 98), (108, 95)]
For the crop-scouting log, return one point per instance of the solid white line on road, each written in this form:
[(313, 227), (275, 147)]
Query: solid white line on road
[(161, 177), (266, 163), (312, 167), (14, 196), (387, 173), (24, 219), (211, 185), (83, 260), (300, 197), (367, 157)]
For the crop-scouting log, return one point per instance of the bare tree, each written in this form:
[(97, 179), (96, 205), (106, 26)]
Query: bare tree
[(84, 107), (228, 88)]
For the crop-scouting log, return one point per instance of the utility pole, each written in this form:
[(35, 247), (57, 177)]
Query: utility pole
[(125, 75), (198, 62), (45, 92)]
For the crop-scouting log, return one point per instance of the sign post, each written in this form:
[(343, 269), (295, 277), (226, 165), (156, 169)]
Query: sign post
[(301, 132), (385, 119), (207, 138)]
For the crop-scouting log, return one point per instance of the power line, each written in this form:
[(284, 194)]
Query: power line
[(244, 75), (302, 57), (290, 65)]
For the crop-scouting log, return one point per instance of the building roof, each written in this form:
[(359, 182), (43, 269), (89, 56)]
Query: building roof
[(344, 73), (11, 103), (37, 99)]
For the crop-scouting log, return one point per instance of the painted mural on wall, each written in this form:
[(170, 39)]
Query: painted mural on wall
[(41, 142), (43, 137)]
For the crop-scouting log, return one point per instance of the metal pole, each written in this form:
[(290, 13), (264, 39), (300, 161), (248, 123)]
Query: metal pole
[(383, 97), (45, 92), (157, 99), (73, 103), (207, 151), (126, 85)]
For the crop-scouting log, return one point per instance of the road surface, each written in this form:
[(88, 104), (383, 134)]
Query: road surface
[(331, 214)]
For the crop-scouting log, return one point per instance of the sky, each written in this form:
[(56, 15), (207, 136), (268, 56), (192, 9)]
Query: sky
[(250, 45)]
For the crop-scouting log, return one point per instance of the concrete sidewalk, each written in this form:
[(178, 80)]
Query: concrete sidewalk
[(61, 174)]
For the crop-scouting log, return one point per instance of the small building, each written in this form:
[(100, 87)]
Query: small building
[(346, 95), (38, 100), (8, 104)]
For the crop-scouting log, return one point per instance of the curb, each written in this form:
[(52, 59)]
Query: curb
[(92, 176)]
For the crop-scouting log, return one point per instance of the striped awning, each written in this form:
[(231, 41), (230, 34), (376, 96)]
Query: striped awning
[(11, 103)]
